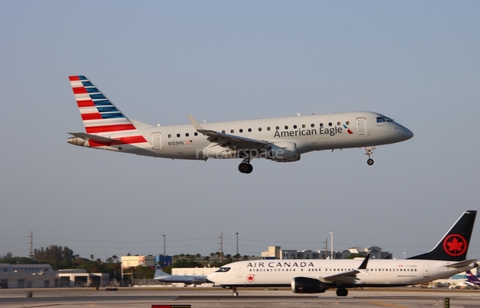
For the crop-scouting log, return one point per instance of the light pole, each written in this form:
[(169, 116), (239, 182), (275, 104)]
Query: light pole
[(404, 255), (331, 244), (236, 234), (164, 247)]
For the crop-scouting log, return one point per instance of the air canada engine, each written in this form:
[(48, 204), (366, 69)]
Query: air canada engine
[(307, 285), (283, 152)]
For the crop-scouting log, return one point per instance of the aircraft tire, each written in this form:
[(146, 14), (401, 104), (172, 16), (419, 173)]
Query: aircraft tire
[(245, 168), (342, 292), (370, 161)]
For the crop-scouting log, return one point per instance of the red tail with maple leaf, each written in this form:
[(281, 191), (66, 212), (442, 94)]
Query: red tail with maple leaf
[(454, 245)]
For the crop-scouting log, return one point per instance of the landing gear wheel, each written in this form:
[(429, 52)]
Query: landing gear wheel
[(342, 292), (245, 166), (368, 152), (235, 293)]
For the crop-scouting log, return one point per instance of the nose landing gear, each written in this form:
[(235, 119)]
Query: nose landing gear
[(368, 152)]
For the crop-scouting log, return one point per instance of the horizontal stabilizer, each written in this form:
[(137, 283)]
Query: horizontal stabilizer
[(104, 140), (462, 263)]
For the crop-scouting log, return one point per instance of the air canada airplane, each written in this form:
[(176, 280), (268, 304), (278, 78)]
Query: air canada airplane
[(278, 139), (187, 280), (446, 259)]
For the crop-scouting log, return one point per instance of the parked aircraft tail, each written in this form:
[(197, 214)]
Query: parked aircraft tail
[(454, 244), (159, 272), (472, 278)]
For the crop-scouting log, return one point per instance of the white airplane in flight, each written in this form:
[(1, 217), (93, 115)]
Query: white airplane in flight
[(315, 276), (279, 139), (187, 280)]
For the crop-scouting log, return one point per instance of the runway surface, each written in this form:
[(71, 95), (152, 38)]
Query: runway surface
[(203, 298)]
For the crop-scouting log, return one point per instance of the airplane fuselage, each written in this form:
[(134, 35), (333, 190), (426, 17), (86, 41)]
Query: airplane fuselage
[(379, 273), (308, 133)]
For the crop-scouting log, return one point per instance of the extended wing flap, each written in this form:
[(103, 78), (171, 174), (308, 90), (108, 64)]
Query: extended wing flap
[(226, 140), (341, 278)]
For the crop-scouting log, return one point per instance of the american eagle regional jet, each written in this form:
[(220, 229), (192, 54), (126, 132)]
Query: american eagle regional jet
[(282, 139), (446, 259)]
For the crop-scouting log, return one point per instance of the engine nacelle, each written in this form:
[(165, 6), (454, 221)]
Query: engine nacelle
[(307, 285), (215, 152), (283, 151)]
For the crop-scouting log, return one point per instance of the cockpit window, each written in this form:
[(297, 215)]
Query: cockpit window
[(384, 119), (223, 269)]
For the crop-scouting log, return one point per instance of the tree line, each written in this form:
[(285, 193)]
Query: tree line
[(64, 258)]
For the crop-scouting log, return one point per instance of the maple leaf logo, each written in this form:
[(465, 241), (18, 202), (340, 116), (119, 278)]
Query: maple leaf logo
[(455, 245), (250, 278)]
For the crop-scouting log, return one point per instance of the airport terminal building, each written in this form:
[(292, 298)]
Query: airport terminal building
[(42, 276)]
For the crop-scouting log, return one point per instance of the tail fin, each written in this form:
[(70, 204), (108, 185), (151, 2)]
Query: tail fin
[(454, 244), (99, 115), (159, 272), (472, 278)]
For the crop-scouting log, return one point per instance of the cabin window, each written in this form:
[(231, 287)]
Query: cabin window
[(187, 134), (232, 131), (249, 130), (277, 128), (338, 123), (195, 134), (321, 124), (294, 126), (268, 128), (169, 135), (178, 135), (348, 123), (240, 130), (259, 129), (303, 125), (223, 131), (286, 126), (329, 123)]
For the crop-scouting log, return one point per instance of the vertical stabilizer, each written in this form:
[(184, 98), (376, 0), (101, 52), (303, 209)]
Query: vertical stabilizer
[(454, 244)]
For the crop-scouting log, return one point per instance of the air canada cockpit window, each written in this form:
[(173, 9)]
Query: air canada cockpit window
[(223, 269)]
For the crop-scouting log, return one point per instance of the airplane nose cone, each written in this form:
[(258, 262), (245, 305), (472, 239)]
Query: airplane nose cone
[(407, 133)]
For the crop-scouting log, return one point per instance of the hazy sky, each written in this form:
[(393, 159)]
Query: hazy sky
[(415, 61)]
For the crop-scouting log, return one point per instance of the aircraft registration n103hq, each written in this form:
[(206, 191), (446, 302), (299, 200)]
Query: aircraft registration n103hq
[(282, 139)]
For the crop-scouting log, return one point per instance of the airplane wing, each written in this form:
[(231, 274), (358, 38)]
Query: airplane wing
[(100, 139), (462, 263), (226, 140), (348, 277)]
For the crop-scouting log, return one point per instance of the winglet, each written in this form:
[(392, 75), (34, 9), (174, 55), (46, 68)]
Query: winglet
[(197, 126), (364, 263)]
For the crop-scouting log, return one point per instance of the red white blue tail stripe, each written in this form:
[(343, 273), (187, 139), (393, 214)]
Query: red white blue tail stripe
[(100, 116)]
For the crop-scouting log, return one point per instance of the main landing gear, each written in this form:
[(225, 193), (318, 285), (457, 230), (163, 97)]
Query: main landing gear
[(342, 292), (234, 291), (245, 166), (368, 152)]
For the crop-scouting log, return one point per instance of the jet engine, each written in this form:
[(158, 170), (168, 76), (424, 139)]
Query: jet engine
[(307, 285), (284, 151)]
